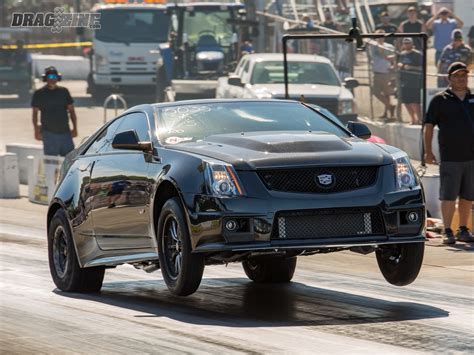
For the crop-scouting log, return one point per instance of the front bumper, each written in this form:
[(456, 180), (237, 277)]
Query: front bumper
[(260, 212)]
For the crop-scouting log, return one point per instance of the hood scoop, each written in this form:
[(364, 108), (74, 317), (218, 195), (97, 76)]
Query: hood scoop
[(284, 142)]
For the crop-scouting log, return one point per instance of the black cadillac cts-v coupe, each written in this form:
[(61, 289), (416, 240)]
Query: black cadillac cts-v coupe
[(181, 185)]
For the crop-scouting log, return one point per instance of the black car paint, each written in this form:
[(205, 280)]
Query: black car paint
[(127, 232)]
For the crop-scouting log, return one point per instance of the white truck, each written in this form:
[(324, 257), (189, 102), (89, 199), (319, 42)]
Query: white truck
[(126, 48), (262, 76)]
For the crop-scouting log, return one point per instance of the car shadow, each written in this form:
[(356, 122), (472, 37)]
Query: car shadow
[(240, 302)]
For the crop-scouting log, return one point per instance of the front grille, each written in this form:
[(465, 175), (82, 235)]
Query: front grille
[(328, 223), (313, 180)]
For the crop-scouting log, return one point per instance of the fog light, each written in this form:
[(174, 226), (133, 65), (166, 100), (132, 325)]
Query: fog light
[(412, 217), (231, 225)]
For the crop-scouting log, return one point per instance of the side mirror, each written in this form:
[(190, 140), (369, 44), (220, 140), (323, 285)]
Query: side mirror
[(351, 83), (129, 140), (234, 80), (359, 129)]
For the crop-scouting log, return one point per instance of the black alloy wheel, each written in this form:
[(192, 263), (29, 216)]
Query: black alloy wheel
[(63, 262), (270, 270), (181, 269), (400, 263)]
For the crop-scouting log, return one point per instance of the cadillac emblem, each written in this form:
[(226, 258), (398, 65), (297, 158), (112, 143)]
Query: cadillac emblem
[(325, 180)]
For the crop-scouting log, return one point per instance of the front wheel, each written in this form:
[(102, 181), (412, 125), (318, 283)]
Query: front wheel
[(271, 270), (63, 264), (182, 271), (400, 263)]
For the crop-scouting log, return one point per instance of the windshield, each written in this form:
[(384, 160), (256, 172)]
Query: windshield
[(210, 22), (298, 73), (127, 25), (193, 122)]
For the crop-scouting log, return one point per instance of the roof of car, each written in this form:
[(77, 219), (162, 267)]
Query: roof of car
[(292, 57)]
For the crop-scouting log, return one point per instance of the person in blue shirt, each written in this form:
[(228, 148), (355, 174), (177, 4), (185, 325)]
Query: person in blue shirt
[(456, 51), (442, 24)]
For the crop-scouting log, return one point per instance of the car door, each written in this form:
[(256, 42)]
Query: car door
[(120, 209)]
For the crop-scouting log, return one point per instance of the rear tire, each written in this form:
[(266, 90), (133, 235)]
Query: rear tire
[(181, 269), (400, 263), (270, 270), (63, 262)]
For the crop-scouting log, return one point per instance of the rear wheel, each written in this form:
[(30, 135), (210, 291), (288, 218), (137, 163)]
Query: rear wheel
[(63, 264), (181, 270), (270, 270), (400, 263)]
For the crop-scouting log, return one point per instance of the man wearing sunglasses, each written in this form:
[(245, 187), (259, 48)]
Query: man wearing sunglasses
[(56, 106), (442, 24)]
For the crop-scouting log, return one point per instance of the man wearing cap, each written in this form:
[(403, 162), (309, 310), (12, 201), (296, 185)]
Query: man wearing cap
[(413, 25), (456, 51), (442, 24), (410, 66), (386, 26), (56, 105), (452, 110)]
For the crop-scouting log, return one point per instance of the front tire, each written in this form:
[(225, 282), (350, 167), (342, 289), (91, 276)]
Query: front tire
[(400, 264), (271, 270), (182, 271), (63, 264)]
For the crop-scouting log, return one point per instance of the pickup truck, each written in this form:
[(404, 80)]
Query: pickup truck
[(261, 76)]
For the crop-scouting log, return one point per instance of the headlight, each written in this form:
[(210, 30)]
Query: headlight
[(345, 107), (404, 173), (210, 56), (222, 181)]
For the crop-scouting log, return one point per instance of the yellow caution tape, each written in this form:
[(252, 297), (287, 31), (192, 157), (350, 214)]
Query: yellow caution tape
[(50, 45)]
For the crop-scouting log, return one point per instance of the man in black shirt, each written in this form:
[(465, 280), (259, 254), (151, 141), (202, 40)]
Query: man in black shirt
[(386, 26), (413, 25), (452, 111), (55, 104)]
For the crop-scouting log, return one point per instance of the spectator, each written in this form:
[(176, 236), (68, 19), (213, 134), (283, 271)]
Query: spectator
[(246, 47), (382, 56), (386, 26), (442, 26), (55, 103), (452, 110), (309, 24), (410, 67), (413, 25), (456, 51)]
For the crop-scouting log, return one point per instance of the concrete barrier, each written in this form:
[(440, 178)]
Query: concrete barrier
[(22, 151), (401, 135), (72, 67), (9, 176)]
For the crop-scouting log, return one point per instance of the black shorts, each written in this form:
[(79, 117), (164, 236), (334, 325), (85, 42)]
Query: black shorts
[(410, 95), (456, 179)]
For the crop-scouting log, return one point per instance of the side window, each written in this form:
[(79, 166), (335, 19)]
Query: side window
[(104, 138), (138, 122)]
